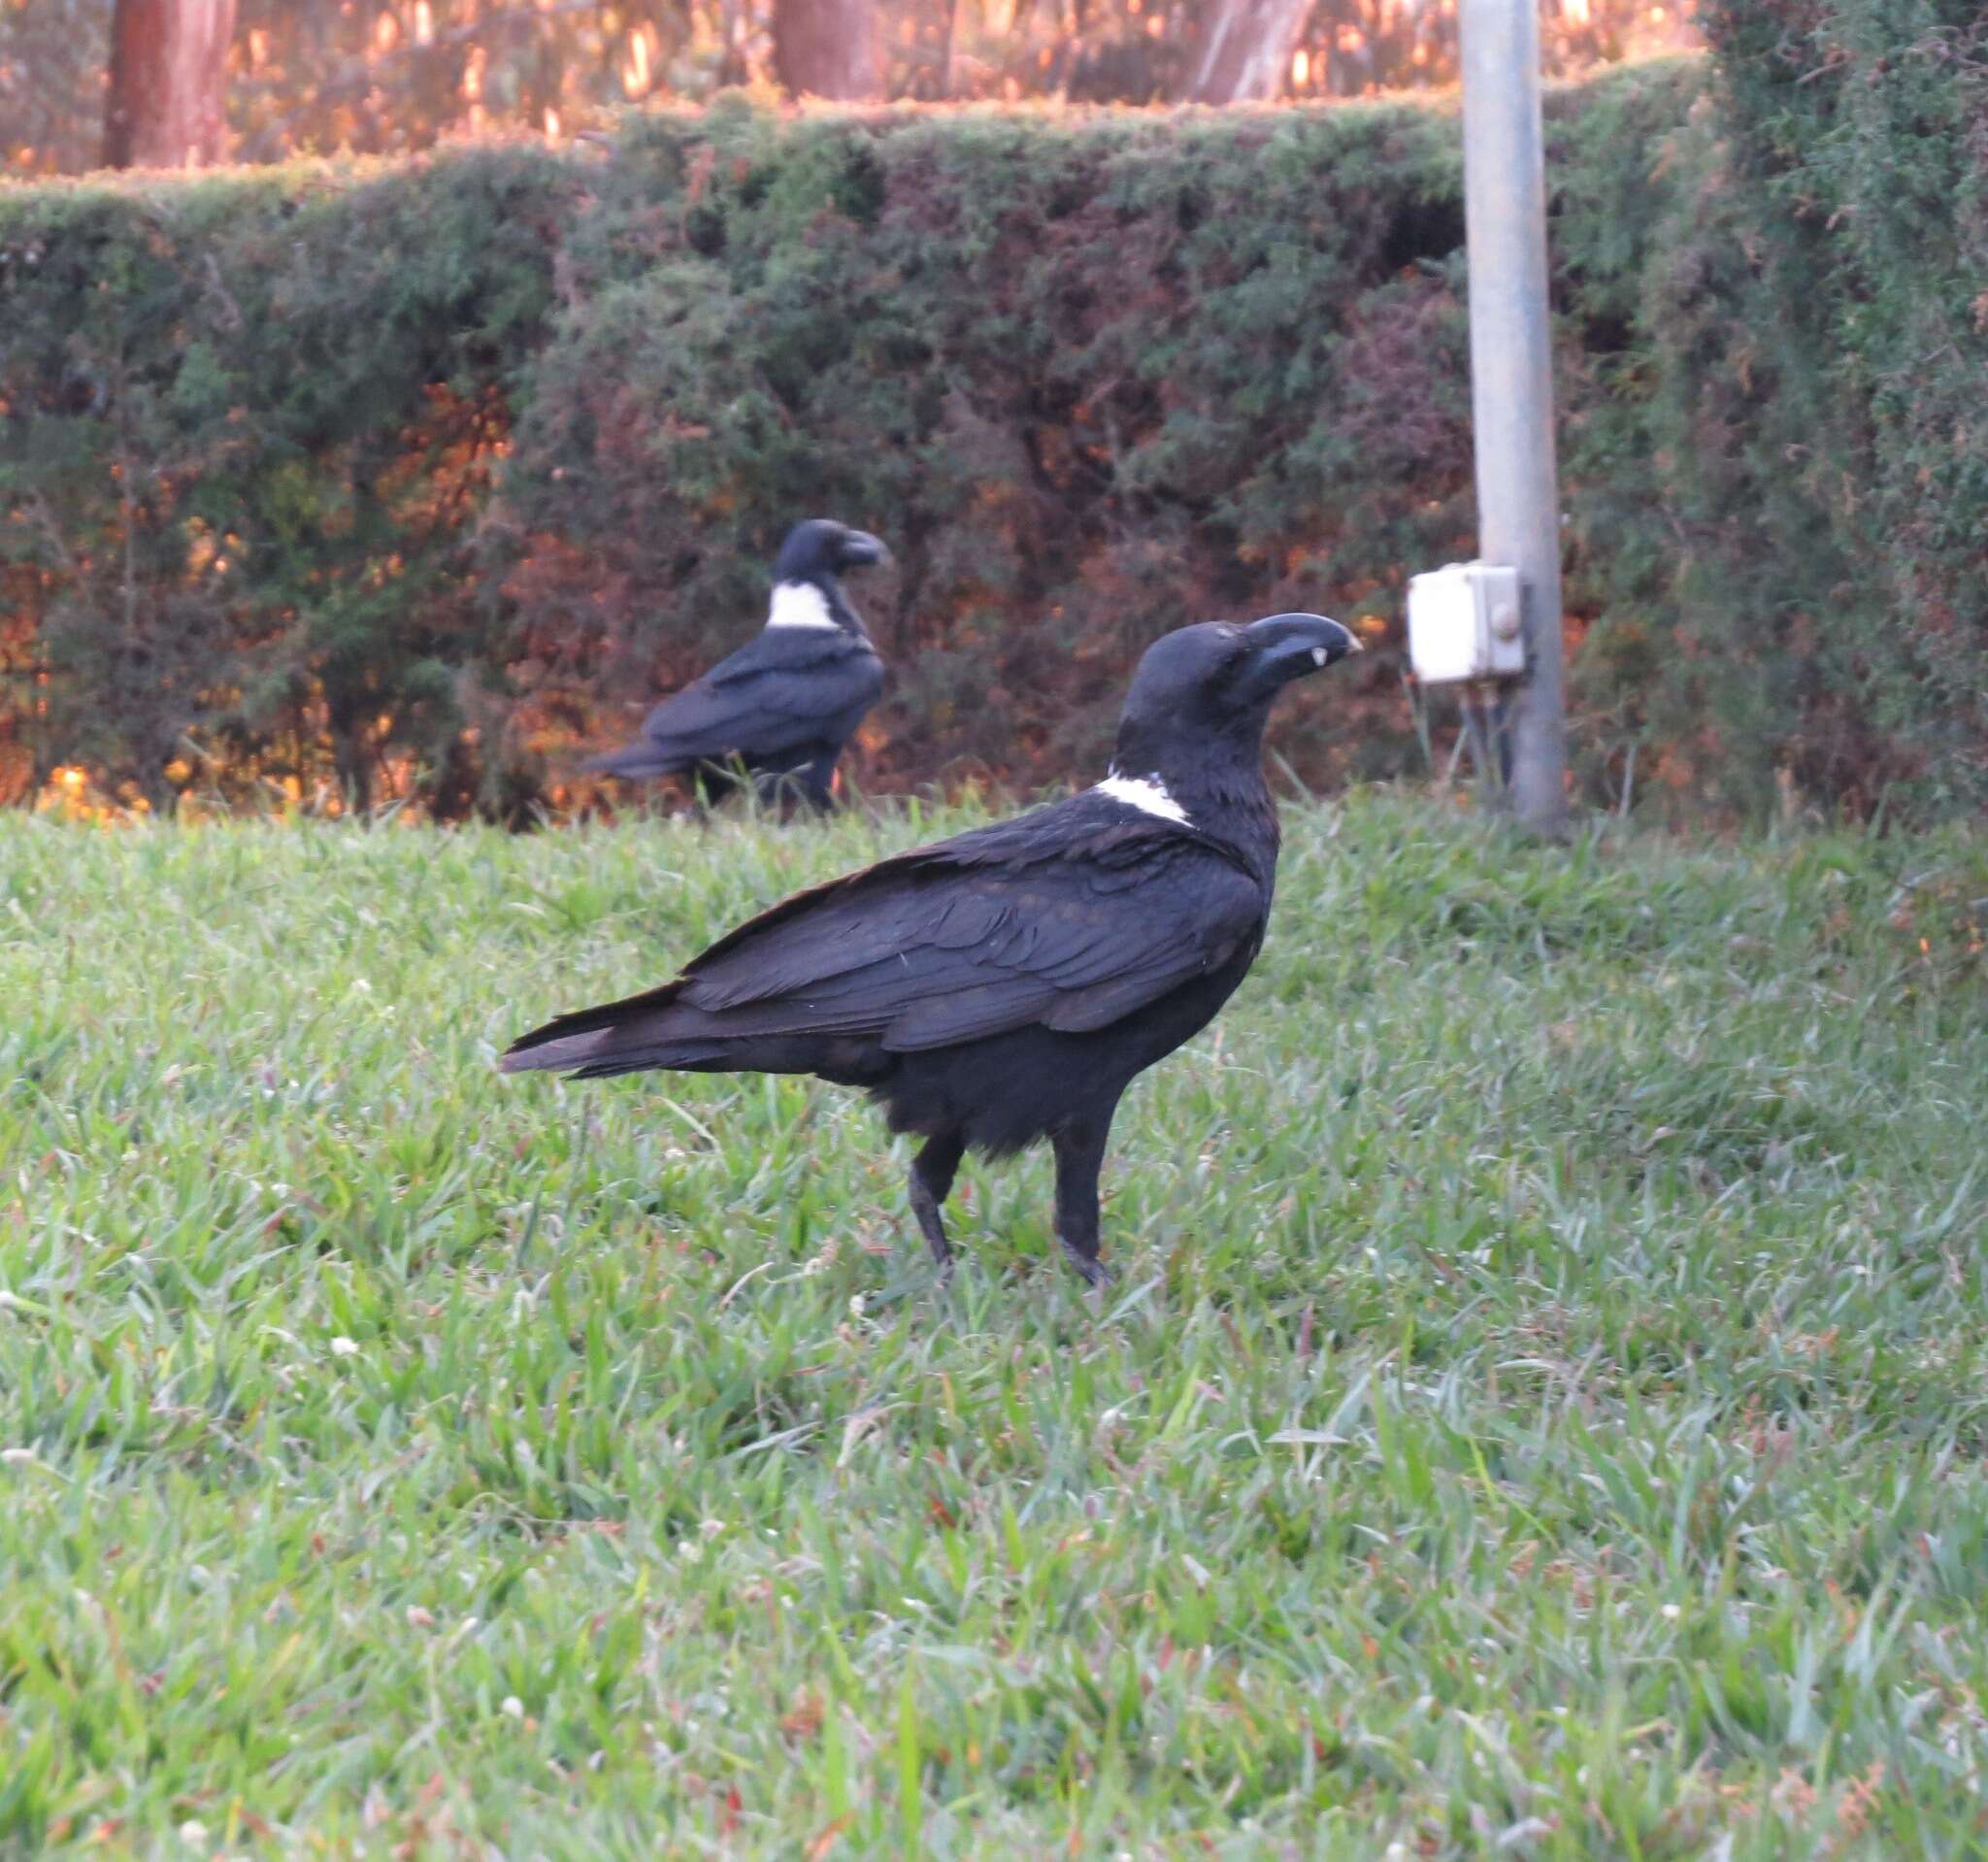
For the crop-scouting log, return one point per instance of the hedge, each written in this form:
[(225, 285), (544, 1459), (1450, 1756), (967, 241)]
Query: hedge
[(417, 478), (1837, 387)]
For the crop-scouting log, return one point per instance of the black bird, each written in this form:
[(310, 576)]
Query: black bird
[(784, 704), (1006, 986)]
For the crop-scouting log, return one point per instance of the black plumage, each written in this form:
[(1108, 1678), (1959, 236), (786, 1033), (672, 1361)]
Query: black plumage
[(1007, 984), (785, 705)]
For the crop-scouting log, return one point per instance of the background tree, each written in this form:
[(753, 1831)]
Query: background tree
[(53, 59), (1242, 52), (166, 106), (380, 77), (826, 48)]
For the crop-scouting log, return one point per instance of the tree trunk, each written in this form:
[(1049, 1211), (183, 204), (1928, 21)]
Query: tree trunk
[(169, 83), (1244, 51), (949, 35), (826, 48)]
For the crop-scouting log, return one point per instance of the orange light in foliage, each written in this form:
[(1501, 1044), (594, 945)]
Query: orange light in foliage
[(553, 126), (635, 74), (424, 23), (386, 32), (1301, 69), (1574, 11)]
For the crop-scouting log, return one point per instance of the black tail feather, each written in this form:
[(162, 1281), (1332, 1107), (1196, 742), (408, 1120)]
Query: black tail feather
[(597, 1038), (660, 1030), (634, 760)]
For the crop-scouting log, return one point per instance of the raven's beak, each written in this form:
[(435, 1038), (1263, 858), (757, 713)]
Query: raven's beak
[(859, 550), (1288, 647)]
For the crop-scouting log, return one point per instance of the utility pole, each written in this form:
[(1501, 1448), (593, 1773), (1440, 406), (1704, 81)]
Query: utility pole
[(1511, 376)]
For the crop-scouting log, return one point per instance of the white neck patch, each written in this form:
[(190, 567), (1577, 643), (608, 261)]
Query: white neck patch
[(1146, 794), (799, 603)]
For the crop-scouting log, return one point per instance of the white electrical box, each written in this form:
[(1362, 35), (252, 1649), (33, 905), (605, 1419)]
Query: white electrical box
[(1464, 622)]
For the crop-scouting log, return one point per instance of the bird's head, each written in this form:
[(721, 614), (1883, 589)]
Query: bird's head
[(1202, 694), (821, 550)]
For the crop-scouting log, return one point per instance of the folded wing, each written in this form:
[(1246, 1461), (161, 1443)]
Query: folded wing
[(1066, 924), (772, 697)]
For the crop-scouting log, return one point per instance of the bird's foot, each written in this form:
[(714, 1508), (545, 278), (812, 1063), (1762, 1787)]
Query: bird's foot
[(938, 1251), (1094, 1271)]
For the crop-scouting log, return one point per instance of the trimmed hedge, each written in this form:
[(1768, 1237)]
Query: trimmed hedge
[(421, 477), (1840, 386)]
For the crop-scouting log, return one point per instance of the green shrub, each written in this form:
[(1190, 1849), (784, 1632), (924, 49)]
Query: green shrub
[(250, 420), (1856, 137)]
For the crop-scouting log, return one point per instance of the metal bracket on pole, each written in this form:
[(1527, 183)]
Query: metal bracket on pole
[(1511, 376)]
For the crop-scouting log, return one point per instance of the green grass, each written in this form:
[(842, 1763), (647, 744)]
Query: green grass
[(1543, 1413)]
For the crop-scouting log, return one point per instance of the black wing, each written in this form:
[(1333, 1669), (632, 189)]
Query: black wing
[(782, 691), (1071, 919)]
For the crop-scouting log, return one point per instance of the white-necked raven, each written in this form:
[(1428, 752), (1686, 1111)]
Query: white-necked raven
[(1006, 986), (784, 704)]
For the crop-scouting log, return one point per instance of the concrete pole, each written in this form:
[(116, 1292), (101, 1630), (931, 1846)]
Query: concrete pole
[(1511, 375)]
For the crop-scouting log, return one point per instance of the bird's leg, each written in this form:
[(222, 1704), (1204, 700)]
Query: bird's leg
[(818, 784), (1079, 1155), (932, 1172)]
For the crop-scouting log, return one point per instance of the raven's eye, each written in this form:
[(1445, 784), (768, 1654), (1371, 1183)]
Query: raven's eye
[(1229, 666)]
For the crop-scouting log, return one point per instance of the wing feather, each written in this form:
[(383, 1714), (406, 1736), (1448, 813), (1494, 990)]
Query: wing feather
[(766, 699), (923, 954), (1071, 917)]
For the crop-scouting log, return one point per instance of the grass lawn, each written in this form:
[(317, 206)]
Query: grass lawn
[(1542, 1412)]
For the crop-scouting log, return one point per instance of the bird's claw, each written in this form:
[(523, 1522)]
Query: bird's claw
[(1094, 1272)]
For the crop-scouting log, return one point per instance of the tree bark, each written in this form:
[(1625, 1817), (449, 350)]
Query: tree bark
[(169, 82), (1244, 51), (826, 48)]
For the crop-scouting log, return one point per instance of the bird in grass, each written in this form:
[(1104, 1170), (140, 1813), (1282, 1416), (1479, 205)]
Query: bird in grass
[(1006, 986), (783, 707)]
